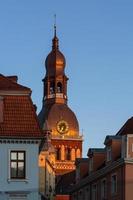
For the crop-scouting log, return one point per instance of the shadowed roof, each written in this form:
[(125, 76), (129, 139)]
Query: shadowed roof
[(127, 128)]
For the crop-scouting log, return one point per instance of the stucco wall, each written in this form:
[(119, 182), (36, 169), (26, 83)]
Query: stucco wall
[(31, 182)]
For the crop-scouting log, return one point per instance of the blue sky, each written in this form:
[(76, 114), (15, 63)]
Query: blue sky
[(96, 38)]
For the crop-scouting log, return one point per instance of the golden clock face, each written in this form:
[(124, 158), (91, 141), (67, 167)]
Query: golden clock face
[(62, 127)]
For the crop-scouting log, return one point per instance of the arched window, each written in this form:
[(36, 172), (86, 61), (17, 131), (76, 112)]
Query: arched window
[(58, 154), (46, 89), (59, 87), (62, 152), (73, 154), (52, 88), (68, 154), (78, 153)]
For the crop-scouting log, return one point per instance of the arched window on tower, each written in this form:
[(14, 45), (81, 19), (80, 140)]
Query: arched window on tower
[(78, 153), (58, 154), (52, 88), (73, 154), (68, 154), (46, 89), (59, 87)]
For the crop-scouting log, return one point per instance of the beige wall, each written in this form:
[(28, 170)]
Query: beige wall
[(47, 174)]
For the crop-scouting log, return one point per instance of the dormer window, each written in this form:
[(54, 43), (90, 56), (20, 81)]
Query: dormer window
[(109, 154), (1, 109)]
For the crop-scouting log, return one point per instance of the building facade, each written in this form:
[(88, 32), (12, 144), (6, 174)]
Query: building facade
[(61, 119), (110, 169), (20, 139), (47, 166)]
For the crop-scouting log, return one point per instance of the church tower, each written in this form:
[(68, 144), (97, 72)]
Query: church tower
[(61, 119)]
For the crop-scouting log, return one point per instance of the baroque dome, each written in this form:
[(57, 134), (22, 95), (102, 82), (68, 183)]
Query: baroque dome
[(57, 112)]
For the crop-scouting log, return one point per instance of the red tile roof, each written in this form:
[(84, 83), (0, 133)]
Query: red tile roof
[(8, 85), (19, 116)]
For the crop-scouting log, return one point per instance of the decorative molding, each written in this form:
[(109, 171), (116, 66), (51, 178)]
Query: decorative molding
[(19, 141), (17, 180), (66, 138), (17, 93)]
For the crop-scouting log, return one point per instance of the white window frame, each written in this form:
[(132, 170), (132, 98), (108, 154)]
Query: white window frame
[(9, 167), (109, 154)]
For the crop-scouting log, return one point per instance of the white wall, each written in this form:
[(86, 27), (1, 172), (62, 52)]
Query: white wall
[(31, 183)]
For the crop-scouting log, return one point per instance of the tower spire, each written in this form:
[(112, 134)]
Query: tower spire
[(55, 45), (54, 25)]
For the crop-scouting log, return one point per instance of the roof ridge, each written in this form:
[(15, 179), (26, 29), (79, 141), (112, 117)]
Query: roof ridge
[(11, 85)]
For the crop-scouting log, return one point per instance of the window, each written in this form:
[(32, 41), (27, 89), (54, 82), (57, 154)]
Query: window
[(68, 154), (87, 194), (52, 88), (59, 87), (109, 153), (58, 154), (94, 192), (114, 183), (17, 164), (103, 189)]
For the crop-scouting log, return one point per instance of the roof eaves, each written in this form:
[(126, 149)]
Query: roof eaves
[(95, 150), (111, 137)]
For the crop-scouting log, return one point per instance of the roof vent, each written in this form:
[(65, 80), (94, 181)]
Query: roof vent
[(1, 109), (13, 78)]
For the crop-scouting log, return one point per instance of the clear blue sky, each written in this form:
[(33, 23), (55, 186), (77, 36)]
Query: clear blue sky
[(96, 37)]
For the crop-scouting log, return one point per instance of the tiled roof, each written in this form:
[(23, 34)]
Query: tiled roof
[(8, 85), (18, 116)]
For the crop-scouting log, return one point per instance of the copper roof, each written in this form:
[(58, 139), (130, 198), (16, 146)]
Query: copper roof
[(56, 112), (55, 61)]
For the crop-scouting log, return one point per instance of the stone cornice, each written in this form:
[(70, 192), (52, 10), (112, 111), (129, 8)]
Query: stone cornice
[(19, 141), (64, 138)]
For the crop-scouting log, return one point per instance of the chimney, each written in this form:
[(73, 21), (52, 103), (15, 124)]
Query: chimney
[(13, 78)]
